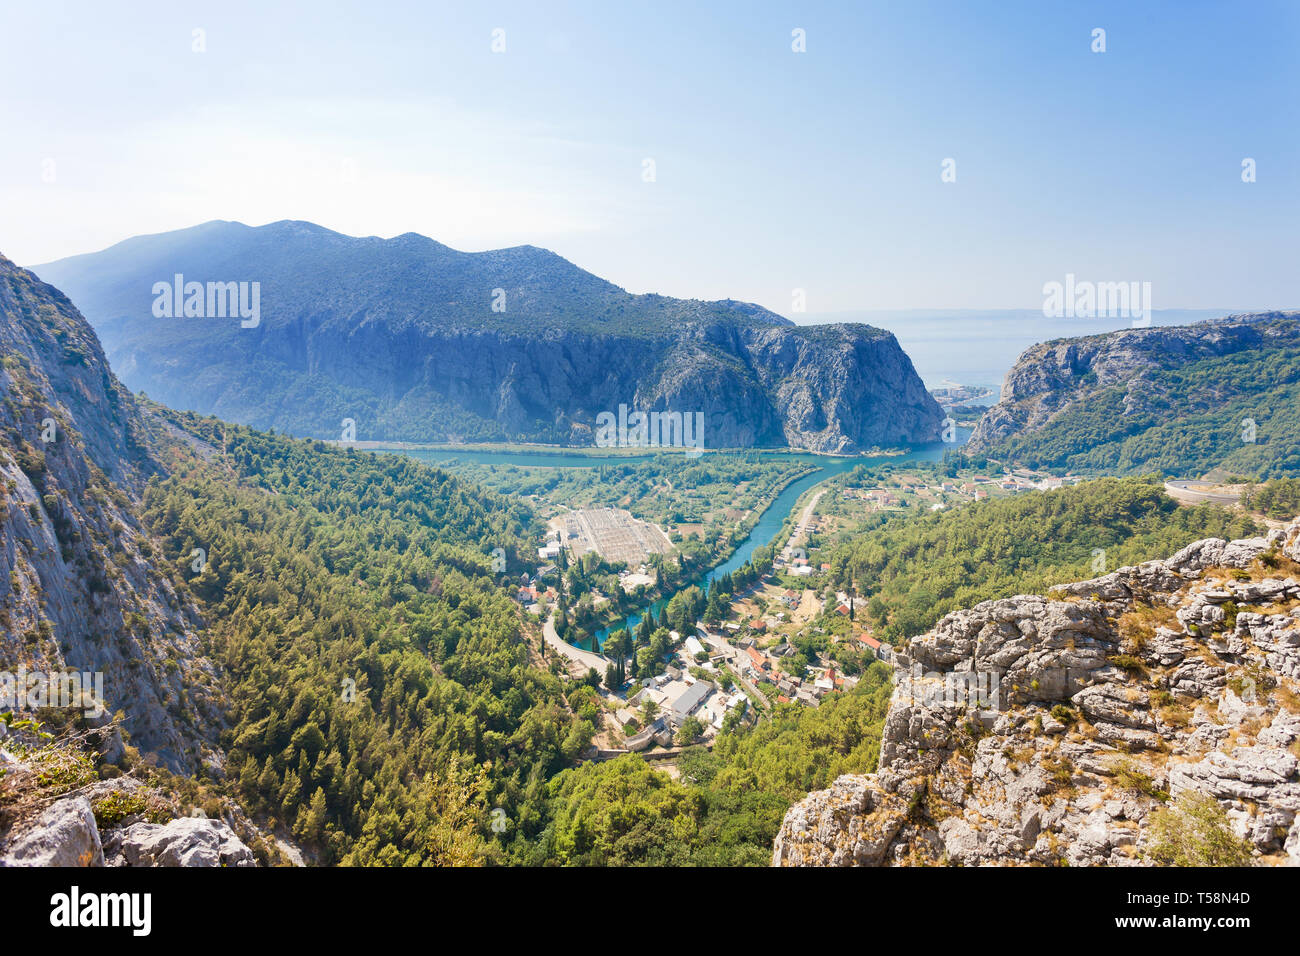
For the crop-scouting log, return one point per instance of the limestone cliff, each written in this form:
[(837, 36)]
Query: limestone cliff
[(1050, 730), (80, 580), (1179, 399)]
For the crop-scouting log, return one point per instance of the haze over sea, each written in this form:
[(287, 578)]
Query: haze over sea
[(979, 346)]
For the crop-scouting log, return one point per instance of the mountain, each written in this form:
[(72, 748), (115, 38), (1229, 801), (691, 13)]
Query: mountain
[(1220, 397), (415, 341), (82, 583), (339, 656), (1147, 716)]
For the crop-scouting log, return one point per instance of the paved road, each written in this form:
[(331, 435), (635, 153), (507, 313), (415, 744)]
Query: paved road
[(801, 529), (749, 686), (585, 658), (1190, 490)]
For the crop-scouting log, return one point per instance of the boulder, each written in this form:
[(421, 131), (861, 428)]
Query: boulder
[(186, 841), (64, 834)]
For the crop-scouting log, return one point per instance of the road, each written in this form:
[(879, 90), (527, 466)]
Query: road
[(801, 529), (585, 658), (1191, 490)]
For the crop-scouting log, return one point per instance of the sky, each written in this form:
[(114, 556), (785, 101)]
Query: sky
[(799, 180)]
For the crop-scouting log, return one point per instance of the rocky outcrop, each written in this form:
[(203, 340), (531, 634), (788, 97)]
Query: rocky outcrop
[(414, 341), (187, 841), (114, 821), (1073, 402), (64, 834), (1048, 730)]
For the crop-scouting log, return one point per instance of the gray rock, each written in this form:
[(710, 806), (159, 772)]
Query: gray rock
[(185, 841), (953, 788), (64, 834)]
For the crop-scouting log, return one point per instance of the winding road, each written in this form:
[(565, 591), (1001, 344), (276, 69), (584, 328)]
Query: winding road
[(585, 658), (1192, 490)]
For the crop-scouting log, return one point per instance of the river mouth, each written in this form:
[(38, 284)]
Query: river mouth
[(764, 530)]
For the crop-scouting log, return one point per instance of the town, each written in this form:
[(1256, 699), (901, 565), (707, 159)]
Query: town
[(789, 637)]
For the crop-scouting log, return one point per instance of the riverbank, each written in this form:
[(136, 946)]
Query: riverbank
[(588, 451)]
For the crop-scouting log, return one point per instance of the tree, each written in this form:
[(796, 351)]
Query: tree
[(689, 731), (1195, 831)]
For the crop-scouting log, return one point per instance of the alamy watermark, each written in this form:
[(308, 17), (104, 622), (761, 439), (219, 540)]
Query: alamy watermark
[(213, 300), (32, 690), (666, 429), (973, 690), (1092, 300)]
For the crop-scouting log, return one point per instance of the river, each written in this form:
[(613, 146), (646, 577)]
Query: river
[(765, 529)]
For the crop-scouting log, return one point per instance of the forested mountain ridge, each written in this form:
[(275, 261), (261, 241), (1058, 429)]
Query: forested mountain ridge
[(381, 694), (913, 568), (415, 341), (1215, 397)]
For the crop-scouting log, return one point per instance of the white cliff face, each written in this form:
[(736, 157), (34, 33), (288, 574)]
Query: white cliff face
[(1113, 696)]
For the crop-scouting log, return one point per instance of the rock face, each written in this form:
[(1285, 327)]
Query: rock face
[(80, 587), (1088, 401), (187, 841), (68, 833), (63, 835), (415, 341), (1047, 730)]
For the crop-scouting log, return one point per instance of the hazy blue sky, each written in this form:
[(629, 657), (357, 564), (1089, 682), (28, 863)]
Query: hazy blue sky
[(775, 170)]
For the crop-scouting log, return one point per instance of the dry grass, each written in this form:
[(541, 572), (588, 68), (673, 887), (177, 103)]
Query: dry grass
[(1138, 626), (49, 769)]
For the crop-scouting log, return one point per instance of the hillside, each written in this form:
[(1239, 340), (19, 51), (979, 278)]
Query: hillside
[(341, 660), (82, 583), (1148, 716), (415, 341), (915, 567), (1178, 400)]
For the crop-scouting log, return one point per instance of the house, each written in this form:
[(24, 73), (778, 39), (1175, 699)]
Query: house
[(686, 700), (693, 647), (756, 659), (879, 648)]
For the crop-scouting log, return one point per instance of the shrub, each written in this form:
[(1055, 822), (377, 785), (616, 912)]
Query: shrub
[(1194, 831)]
